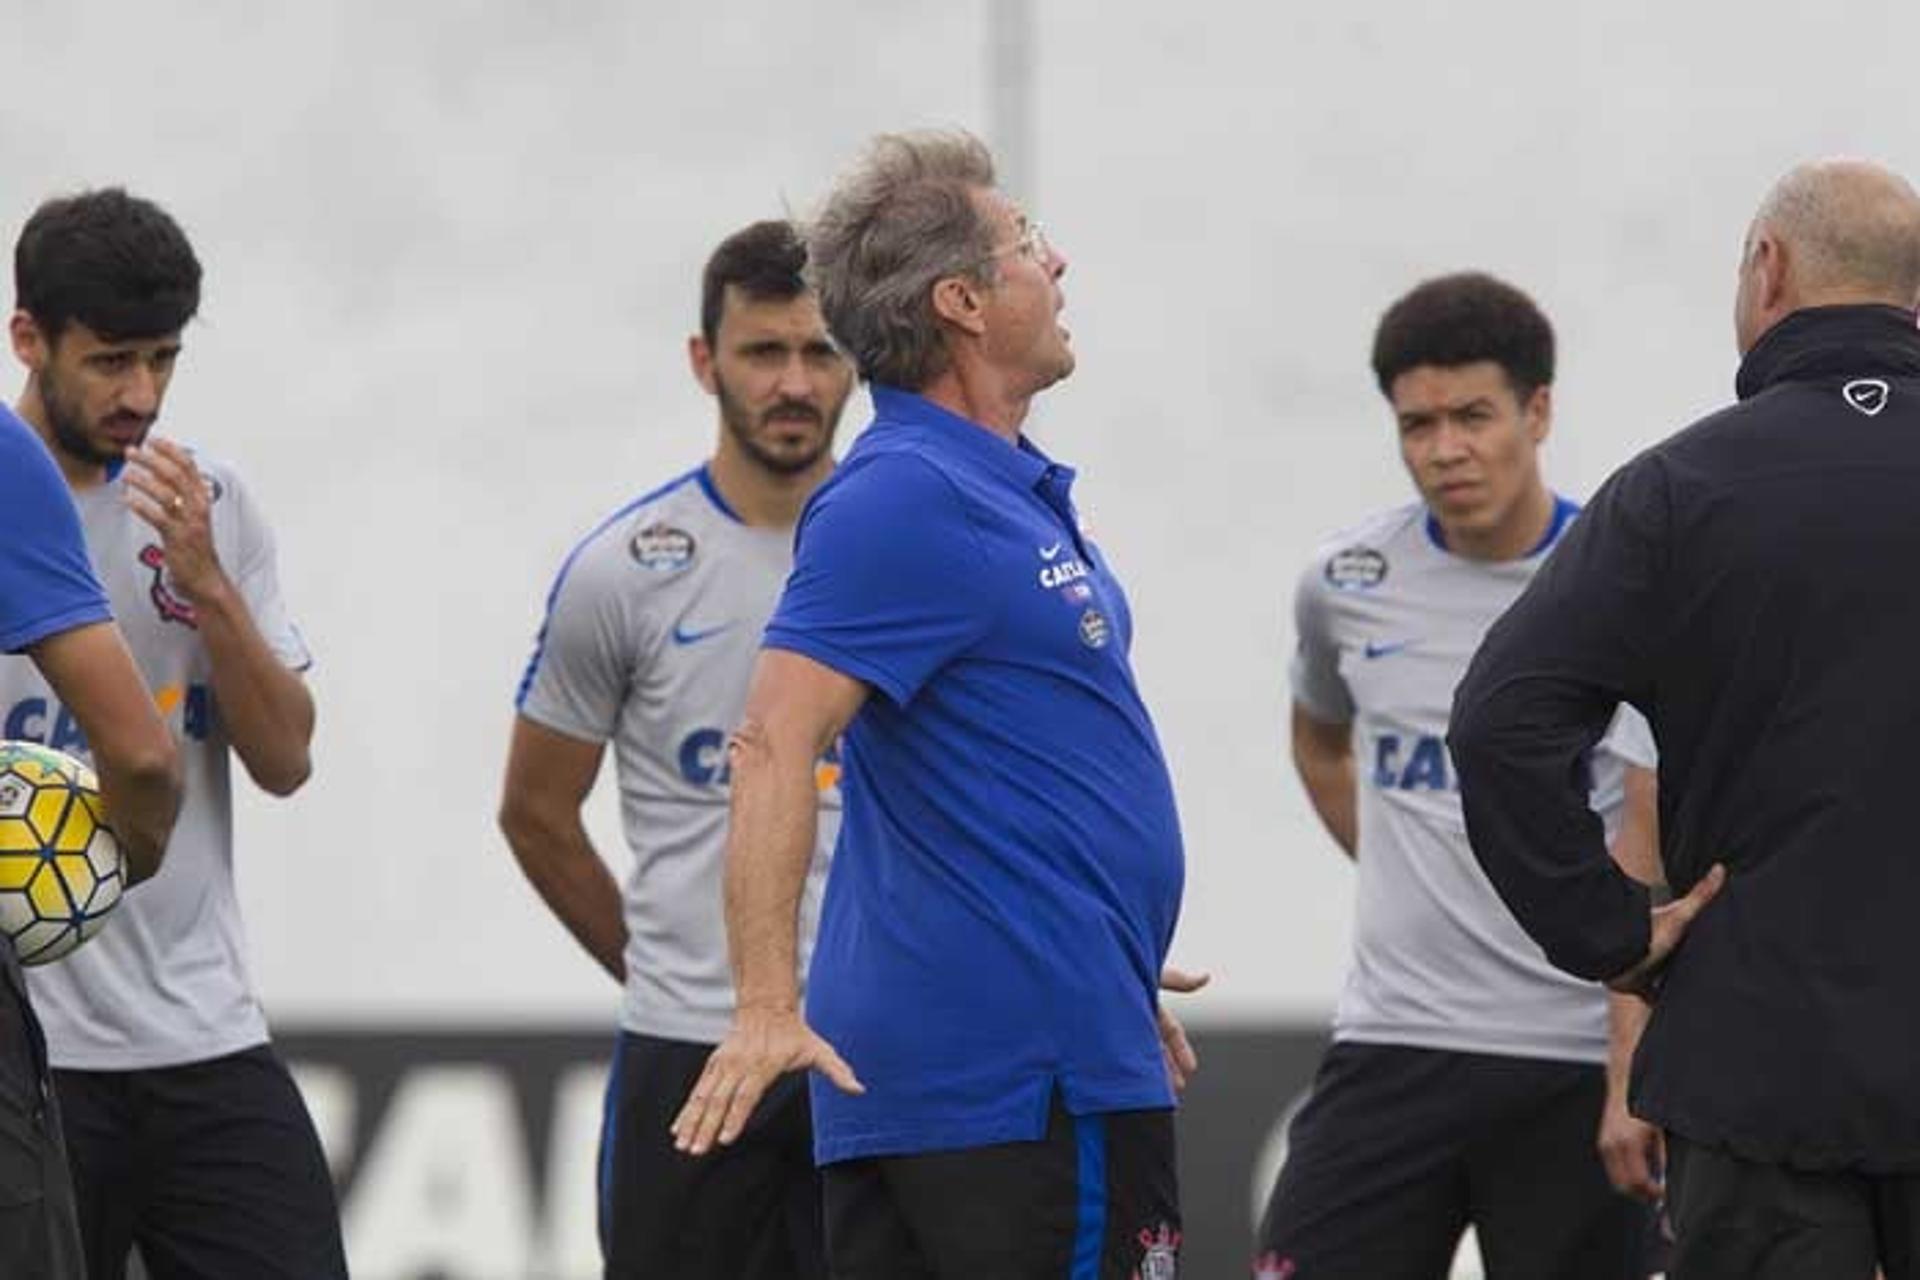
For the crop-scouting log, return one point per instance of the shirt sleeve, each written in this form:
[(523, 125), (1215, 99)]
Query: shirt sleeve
[(256, 572), (1538, 696), (47, 583), (1631, 739), (583, 661), (1318, 687), (890, 578)]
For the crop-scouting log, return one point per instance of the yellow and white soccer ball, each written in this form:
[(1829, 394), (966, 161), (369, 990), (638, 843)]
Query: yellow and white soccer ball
[(61, 872)]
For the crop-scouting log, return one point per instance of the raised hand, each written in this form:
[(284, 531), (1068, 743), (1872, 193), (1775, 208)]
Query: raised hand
[(166, 489)]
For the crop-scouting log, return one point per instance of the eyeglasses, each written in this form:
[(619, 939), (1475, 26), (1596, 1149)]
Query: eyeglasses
[(1032, 244)]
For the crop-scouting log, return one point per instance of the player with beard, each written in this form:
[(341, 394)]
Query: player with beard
[(651, 632), (187, 1135)]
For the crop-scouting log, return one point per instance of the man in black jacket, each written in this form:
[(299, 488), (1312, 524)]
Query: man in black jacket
[(1749, 585)]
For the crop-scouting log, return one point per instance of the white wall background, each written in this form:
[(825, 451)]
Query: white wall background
[(452, 255)]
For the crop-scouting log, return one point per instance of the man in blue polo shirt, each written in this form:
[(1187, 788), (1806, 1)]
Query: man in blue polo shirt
[(995, 1078), (53, 610)]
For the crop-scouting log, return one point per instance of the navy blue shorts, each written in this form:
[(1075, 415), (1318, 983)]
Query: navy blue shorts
[(1398, 1150), (212, 1168), (1096, 1199), (746, 1211)]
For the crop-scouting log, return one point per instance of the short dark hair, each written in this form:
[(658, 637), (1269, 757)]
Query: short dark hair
[(116, 263), (763, 261), (1463, 319)]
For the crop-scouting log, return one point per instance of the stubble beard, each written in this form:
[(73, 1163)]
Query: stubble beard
[(69, 432), (740, 424)]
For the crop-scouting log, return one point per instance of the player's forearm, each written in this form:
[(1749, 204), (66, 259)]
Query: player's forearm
[(266, 709), (1626, 1020), (770, 842), (559, 861), (134, 755), (1333, 786), (142, 796)]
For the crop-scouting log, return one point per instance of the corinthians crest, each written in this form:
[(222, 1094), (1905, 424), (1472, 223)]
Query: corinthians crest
[(1162, 1258)]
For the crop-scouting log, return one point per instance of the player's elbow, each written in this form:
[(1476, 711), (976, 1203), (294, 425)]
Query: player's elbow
[(517, 821), (1473, 734), (754, 753), (530, 829), (150, 765), (282, 776), (142, 786)]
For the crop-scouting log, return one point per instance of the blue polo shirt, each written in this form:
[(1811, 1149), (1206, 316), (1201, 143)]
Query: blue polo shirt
[(1009, 867), (47, 584)]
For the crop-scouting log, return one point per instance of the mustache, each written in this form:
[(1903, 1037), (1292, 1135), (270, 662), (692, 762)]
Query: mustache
[(793, 411)]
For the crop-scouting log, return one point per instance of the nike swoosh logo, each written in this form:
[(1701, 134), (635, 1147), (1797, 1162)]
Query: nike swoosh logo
[(1374, 650), (683, 636), (1049, 553)]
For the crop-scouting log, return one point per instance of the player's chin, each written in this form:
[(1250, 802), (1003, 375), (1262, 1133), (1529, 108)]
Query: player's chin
[(109, 450), (1060, 368), (791, 457), (1464, 508)]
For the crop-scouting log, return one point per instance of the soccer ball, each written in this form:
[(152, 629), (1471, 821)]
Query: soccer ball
[(60, 867)]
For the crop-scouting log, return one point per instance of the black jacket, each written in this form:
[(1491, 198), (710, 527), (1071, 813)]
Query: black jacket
[(1753, 585)]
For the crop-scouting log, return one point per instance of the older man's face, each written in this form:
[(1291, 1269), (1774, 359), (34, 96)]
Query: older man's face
[(1024, 335)]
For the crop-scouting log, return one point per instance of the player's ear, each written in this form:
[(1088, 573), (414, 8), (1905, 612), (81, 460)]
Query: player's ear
[(1773, 268), (958, 301), (700, 358), (29, 343), (1539, 414)]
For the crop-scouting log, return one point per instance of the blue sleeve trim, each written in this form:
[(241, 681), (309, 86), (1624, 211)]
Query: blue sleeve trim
[(1564, 510), (846, 664), (81, 615), (712, 490), (566, 567)]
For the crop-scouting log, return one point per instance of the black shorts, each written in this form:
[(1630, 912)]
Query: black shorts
[(1738, 1219), (1398, 1150), (39, 1232), (748, 1211), (1096, 1199), (212, 1168)]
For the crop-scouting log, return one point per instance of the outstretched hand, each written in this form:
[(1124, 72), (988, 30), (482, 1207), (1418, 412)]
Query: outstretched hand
[(1182, 1061), (1670, 925), (763, 1045)]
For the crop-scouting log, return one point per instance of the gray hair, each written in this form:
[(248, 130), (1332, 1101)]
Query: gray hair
[(900, 219), (1855, 226)]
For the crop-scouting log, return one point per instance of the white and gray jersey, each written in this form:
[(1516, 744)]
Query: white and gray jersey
[(1387, 622), (651, 634), (165, 982)]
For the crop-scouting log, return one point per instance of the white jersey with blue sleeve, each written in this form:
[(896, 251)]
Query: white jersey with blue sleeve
[(1387, 621), (166, 982), (651, 634)]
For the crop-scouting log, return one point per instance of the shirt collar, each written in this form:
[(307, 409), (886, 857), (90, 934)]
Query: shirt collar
[(949, 433), (1564, 510), (1828, 342)]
